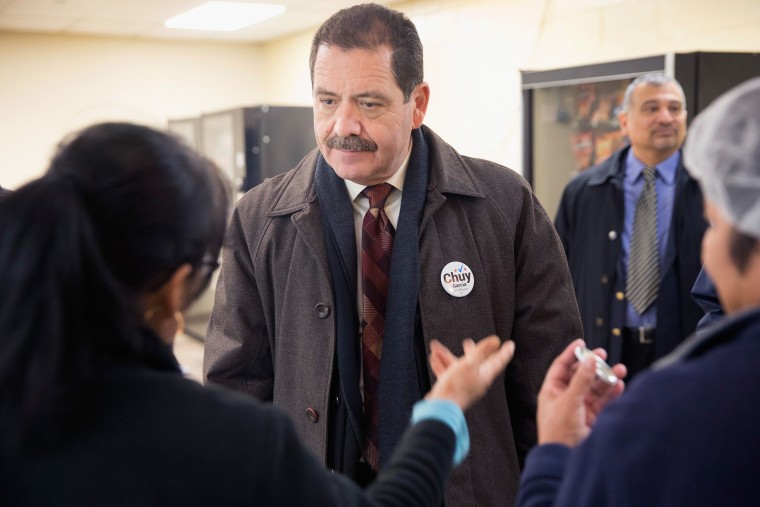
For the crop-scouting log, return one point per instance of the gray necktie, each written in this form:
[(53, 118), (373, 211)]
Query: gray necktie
[(643, 281)]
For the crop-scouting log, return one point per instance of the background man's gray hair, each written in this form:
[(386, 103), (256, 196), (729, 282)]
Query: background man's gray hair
[(654, 79)]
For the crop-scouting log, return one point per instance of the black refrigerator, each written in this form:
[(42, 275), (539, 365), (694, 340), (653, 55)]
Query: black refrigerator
[(570, 114), (252, 144), (249, 144)]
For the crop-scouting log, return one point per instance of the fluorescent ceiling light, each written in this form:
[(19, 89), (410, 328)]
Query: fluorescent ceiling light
[(224, 16)]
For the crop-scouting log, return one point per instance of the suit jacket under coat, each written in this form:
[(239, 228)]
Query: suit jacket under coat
[(272, 330), (590, 223)]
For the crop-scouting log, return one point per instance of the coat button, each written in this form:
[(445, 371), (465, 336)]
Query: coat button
[(616, 331), (619, 296), (605, 279), (322, 310), (599, 322), (336, 401), (312, 415), (612, 235)]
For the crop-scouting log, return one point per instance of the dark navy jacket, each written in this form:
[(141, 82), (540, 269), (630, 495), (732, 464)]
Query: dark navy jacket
[(590, 223), (686, 433), (706, 296)]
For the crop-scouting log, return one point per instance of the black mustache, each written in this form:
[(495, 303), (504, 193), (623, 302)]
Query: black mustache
[(350, 143)]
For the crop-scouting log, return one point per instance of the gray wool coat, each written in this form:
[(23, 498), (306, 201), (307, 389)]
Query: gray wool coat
[(272, 329)]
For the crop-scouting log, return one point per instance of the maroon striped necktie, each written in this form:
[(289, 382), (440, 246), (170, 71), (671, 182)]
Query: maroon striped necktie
[(377, 243)]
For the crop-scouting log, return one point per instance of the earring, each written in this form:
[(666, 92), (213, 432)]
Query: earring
[(179, 318), (158, 320), (150, 313)]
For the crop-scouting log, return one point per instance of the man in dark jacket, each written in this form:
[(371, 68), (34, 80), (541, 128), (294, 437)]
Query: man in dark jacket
[(596, 223), (473, 253)]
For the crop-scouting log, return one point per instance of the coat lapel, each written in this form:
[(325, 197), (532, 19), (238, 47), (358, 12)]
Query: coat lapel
[(299, 199)]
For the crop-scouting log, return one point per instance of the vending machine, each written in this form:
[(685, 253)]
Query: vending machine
[(570, 114)]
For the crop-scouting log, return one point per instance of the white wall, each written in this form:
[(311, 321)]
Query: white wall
[(474, 50), (287, 64)]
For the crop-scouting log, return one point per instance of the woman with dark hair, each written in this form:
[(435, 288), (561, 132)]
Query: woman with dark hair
[(98, 259)]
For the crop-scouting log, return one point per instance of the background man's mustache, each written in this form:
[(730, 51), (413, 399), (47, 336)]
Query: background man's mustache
[(351, 143)]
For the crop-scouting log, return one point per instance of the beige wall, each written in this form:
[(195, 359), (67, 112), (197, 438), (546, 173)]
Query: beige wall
[(474, 51), (52, 85)]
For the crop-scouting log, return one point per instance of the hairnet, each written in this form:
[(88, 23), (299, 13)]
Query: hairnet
[(722, 151)]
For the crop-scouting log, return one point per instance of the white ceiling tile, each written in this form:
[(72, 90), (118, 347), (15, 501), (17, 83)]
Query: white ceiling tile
[(69, 8), (33, 23), (145, 18), (113, 26)]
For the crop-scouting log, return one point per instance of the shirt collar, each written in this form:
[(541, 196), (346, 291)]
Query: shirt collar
[(666, 170), (396, 179)]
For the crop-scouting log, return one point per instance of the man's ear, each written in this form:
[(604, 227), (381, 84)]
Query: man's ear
[(420, 97), (623, 120)]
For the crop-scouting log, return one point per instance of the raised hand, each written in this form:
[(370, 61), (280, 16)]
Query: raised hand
[(572, 396), (466, 379)]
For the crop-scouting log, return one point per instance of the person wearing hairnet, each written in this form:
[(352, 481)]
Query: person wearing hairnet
[(686, 433)]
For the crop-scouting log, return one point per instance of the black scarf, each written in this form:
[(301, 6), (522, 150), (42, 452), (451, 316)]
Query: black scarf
[(400, 385)]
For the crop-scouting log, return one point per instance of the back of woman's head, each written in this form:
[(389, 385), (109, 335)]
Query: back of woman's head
[(155, 203), (119, 210)]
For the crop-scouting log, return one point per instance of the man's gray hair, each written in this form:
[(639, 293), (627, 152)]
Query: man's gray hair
[(654, 79)]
